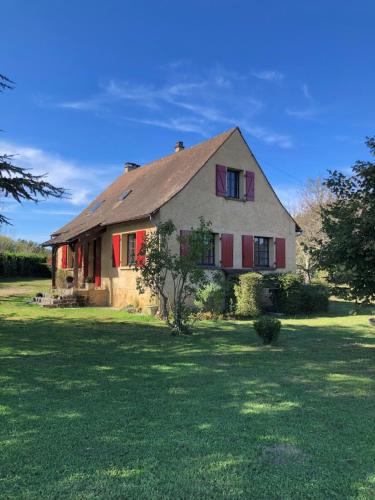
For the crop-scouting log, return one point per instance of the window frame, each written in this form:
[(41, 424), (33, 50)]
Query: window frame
[(235, 195), (208, 258), (130, 237), (258, 254)]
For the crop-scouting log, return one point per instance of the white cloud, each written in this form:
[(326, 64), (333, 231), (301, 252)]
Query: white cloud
[(271, 76), (304, 114), (306, 91), (217, 98), (60, 172)]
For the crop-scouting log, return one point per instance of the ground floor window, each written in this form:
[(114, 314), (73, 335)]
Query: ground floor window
[(130, 249), (208, 257), (261, 251)]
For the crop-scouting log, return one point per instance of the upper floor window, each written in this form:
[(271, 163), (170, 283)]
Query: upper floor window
[(261, 252), (208, 257), (233, 184)]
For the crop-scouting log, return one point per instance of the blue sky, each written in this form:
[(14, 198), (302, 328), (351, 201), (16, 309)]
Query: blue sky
[(102, 83)]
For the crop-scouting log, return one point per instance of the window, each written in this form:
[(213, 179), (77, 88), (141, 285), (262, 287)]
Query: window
[(123, 195), (131, 249), (261, 252), (95, 206), (233, 184), (208, 257)]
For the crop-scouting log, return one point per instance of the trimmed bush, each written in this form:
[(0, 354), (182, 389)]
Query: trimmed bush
[(268, 329), (287, 298), (23, 265), (314, 298), (210, 298), (229, 296), (248, 295)]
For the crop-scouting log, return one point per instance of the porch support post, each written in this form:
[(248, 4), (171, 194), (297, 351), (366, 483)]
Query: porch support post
[(53, 265), (75, 266)]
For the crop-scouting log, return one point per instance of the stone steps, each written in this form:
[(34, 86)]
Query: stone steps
[(63, 301)]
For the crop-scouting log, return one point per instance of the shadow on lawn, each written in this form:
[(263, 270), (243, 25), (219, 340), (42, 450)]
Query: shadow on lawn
[(107, 408)]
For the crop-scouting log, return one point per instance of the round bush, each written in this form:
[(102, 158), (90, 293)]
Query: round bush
[(268, 328)]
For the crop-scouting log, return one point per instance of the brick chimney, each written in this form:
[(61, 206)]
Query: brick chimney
[(130, 166), (179, 146)]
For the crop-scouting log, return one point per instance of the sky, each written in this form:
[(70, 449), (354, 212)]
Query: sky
[(98, 84)]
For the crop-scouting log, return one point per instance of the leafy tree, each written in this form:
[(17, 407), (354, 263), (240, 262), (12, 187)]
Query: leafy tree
[(172, 277), (8, 244), (314, 196), (17, 182), (348, 252)]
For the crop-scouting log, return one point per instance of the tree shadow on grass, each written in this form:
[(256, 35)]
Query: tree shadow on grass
[(101, 408)]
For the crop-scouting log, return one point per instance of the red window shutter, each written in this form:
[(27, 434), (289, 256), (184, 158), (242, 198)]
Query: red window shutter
[(184, 243), (280, 253), (79, 256), (116, 239), (98, 262), (250, 181), (247, 251), (227, 250), (221, 180), (64, 257), (139, 239)]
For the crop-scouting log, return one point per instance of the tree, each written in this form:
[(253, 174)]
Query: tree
[(313, 197), (348, 252), (17, 182), (171, 277)]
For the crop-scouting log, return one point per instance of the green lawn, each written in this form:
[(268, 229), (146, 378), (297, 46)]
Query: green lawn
[(100, 403)]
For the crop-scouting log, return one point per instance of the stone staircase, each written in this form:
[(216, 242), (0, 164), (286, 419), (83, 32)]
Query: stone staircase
[(50, 301)]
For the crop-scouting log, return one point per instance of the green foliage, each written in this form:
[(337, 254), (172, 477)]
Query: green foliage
[(268, 329), (314, 297), (348, 253), (287, 298), (210, 298), (171, 277), (229, 296), (8, 244), (23, 265), (292, 296), (248, 294)]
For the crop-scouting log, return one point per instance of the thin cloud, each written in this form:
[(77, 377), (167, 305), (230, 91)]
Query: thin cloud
[(219, 98), (270, 76), (304, 114), (306, 91), (60, 172)]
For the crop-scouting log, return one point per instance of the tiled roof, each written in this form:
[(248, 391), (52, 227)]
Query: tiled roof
[(149, 188)]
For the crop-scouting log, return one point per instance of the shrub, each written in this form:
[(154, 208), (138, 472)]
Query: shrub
[(23, 265), (210, 298), (248, 294), (314, 298), (229, 296), (268, 329), (288, 297)]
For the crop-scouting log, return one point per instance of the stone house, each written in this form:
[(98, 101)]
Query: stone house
[(219, 179)]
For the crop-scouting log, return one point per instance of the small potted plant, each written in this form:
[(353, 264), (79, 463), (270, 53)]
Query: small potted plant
[(90, 283)]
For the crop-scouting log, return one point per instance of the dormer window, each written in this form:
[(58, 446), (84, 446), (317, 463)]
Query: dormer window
[(233, 183)]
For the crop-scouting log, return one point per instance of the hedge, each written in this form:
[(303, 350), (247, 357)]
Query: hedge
[(248, 294), (23, 265)]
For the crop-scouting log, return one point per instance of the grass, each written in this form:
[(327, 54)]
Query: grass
[(100, 403)]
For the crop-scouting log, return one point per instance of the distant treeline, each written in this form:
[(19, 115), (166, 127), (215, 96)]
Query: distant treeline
[(8, 244), (23, 265)]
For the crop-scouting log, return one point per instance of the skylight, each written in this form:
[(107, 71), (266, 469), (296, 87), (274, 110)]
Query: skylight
[(124, 195), (96, 206)]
